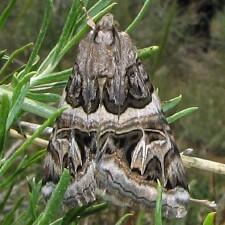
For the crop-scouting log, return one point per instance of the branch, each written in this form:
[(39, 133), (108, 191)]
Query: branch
[(38, 141), (203, 164), (31, 127), (209, 204)]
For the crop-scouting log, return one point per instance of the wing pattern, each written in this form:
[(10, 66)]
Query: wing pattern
[(114, 138)]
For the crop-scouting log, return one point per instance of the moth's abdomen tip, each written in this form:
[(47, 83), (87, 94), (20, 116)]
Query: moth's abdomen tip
[(47, 189), (176, 203)]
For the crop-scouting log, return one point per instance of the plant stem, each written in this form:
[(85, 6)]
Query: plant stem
[(8, 163), (139, 17)]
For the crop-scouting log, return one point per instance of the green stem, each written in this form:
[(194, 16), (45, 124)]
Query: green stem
[(158, 208), (41, 36), (139, 17), (145, 53), (8, 163), (50, 78), (181, 114), (48, 65), (13, 56), (69, 24), (29, 105), (6, 12), (75, 40), (55, 200)]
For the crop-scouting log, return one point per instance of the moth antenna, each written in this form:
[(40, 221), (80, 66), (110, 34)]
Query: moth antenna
[(90, 21)]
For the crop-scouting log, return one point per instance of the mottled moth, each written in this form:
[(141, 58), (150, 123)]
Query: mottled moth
[(114, 138)]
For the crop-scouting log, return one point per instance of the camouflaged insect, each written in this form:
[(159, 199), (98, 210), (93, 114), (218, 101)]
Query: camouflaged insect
[(114, 138)]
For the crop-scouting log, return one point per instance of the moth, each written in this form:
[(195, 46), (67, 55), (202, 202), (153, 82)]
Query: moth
[(114, 138)]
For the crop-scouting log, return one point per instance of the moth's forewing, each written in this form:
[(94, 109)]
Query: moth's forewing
[(114, 138)]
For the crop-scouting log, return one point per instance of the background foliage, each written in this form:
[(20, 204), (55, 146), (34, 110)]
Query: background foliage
[(191, 37)]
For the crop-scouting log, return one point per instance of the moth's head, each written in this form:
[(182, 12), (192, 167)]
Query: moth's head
[(101, 61), (106, 22), (104, 33)]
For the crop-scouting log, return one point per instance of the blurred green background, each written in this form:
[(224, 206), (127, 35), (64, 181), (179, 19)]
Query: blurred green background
[(191, 63)]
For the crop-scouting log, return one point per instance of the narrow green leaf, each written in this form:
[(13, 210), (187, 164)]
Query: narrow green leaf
[(76, 39), (6, 12), (124, 218), (84, 28), (9, 218), (8, 163), (11, 177), (41, 36), (181, 114), (210, 219), (52, 60), (20, 84), (34, 197), (75, 214), (46, 87), (2, 54), (158, 208), (8, 78), (29, 105), (13, 56), (14, 80), (25, 163), (170, 104), (141, 218), (94, 10), (4, 110), (49, 64), (32, 159), (46, 67), (69, 25), (85, 2), (139, 17), (57, 222), (93, 209), (50, 78), (54, 202), (165, 35), (148, 52), (98, 6), (44, 97), (18, 96), (6, 196)]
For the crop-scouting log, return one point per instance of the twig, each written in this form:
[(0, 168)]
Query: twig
[(13, 148), (203, 164), (209, 204), (31, 127), (38, 141)]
